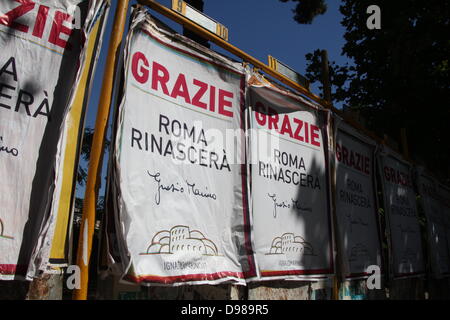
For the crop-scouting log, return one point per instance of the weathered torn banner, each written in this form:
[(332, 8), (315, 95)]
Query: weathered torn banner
[(292, 232), (54, 250), (42, 52), (436, 224), (356, 207), (401, 213), (179, 160)]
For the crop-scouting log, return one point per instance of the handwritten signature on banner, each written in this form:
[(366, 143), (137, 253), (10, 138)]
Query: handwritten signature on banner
[(189, 188), (355, 221), (12, 151), (294, 204)]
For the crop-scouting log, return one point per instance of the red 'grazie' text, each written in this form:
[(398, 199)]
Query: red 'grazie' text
[(203, 95), (396, 176), (353, 159), (35, 22), (288, 126)]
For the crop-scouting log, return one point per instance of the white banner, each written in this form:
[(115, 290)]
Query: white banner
[(436, 224), (40, 58), (356, 207), (181, 174), (401, 214), (289, 184)]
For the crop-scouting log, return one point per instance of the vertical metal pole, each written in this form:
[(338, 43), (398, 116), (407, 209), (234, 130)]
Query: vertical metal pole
[(337, 278), (327, 96), (95, 162)]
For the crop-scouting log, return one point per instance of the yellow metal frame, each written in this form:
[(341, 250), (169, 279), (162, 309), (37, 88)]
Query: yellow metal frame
[(180, 7), (222, 31), (272, 63)]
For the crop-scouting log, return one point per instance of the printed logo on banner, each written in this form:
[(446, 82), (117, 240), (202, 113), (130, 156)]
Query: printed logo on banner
[(181, 238), (288, 243)]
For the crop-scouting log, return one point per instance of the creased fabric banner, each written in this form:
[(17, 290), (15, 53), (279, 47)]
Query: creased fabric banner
[(401, 213), (55, 241), (183, 204), (292, 231), (356, 206), (436, 224), (42, 53)]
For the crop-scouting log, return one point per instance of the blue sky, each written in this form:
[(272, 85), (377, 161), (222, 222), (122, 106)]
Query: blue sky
[(258, 27)]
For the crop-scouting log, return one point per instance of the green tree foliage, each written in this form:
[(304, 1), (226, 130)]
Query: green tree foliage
[(306, 10), (82, 168), (86, 154), (400, 77)]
